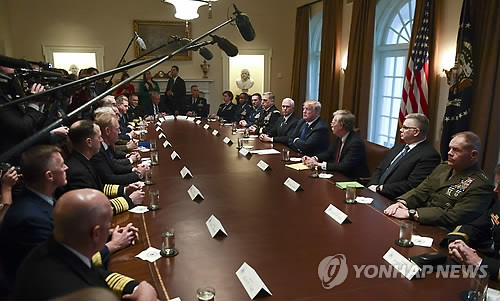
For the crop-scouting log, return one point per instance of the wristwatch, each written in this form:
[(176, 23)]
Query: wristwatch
[(412, 213)]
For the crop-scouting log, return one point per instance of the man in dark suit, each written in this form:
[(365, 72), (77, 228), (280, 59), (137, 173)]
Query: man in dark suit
[(29, 220), (135, 111), (195, 105), (176, 92), (104, 163), (270, 114), (122, 105), (398, 173), (63, 264), (310, 136), (86, 140), (284, 125), (347, 152), (156, 106)]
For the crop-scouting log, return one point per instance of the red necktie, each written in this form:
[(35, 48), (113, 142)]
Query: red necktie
[(338, 151)]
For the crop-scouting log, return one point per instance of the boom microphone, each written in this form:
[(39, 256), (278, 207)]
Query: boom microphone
[(229, 48), (244, 25), (205, 53), (140, 41), (182, 41), (14, 63)]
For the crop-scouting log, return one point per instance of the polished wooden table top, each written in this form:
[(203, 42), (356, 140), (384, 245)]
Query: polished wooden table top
[(282, 234)]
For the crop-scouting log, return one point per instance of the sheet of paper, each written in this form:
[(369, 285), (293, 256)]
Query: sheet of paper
[(263, 165), (336, 214), (251, 280), (401, 263), (185, 172), (143, 149), (150, 254), (269, 151), (214, 226), (325, 175), (139, 209), (194, 192), (295, 159), (290, 183), (174, 155), (297, 166), (364, 200), (422, 241)]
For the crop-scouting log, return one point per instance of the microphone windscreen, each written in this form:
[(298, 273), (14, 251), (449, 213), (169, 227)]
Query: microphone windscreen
[(206, 53), (141, 43), (14, 63), (229, 48), (245, 27)]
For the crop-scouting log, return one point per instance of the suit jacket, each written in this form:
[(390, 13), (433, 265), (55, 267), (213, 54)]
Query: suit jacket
[(352, 159), (267, 120), (81, 174), (111, 171), (316, 139), (135, 112), (282, 129), (176, 101), (148, 108), (27, 223), (448, 201), (200, 106), (227, 112), (409, 172), (51, 271)]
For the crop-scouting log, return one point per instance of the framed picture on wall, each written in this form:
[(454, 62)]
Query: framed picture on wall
[(158, 33)]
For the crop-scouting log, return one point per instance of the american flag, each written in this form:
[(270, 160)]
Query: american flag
[(415, 89)]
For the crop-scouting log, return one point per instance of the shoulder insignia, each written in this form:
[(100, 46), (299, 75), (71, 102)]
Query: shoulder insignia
[(495, 219)]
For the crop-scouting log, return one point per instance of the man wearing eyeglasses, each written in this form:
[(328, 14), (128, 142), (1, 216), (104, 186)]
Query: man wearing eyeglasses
[(407, 164), (455, 193)]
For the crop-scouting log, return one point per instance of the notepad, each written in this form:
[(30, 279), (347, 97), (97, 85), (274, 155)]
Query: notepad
[(343, 185), (297, 166)]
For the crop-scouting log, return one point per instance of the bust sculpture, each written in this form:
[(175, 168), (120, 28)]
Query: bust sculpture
[(245, 82)]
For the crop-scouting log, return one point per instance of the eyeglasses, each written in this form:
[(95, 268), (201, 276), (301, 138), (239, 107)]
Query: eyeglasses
[(404, 127)]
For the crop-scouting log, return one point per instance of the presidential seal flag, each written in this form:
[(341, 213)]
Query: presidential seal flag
[(460, 78), (415, 87)]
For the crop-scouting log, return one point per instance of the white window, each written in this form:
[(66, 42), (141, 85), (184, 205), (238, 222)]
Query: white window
[(315, 25), (394, 21)]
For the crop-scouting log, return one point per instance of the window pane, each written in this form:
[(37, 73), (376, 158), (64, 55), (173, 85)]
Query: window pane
[(392, 38), (384, 124), (396, 23), (398, 87), (389, 66), (405, 12), (388, 86), (381, 140), (400, 66), (394, 126), (386, 106), (404, 37), (396, 105)]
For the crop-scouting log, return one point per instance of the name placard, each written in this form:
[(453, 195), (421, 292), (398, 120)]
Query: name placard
[(335, 213), (174, 155), (166, 144), (402, 264), (169, 117), (215, 132), (245, 152), (158, 123), (198, 122), (162, 136), (161, 119), (190, 119), (186, 173), (194, 193), (294, 186), (206, 126), (251, 281), (227, 140), (263, 165), (158, 128), (215, 226)]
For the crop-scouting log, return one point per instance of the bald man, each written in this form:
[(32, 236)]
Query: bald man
[(63, 264)]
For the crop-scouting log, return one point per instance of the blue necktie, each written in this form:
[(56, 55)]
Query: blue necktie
[(304, 132), (393, 164)]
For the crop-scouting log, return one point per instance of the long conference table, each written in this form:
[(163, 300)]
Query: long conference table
[(282, 234)]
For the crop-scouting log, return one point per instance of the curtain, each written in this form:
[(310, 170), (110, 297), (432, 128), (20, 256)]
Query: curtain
[(486, 104), (300, 54), (433, 81), (359, 63), (330, 60)]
